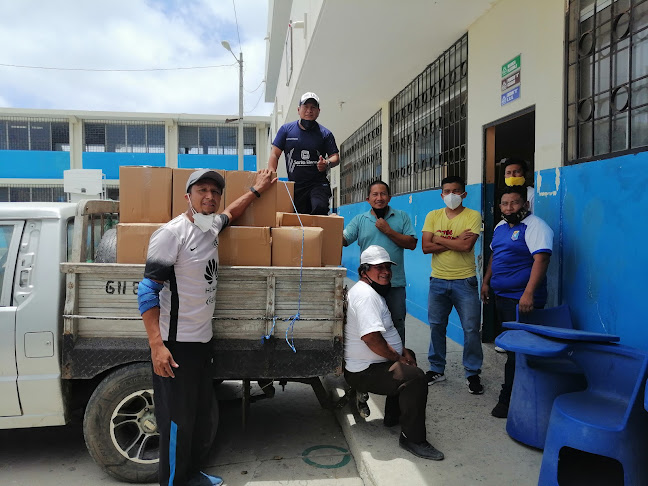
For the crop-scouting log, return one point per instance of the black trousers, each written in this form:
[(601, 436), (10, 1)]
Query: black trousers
[(505, 311), (406, 389), (312, 198), (183, 410)]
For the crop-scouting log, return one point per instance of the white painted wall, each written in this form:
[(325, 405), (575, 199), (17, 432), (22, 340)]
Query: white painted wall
[(534, 29)]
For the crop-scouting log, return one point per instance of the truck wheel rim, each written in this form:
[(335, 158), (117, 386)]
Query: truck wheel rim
[(133, 428)]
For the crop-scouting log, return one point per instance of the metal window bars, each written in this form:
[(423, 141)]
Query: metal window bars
[(607, 79), (428, 124), (360, 157), (31, 133)]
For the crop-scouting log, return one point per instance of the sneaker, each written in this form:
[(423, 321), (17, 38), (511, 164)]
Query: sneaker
[(422, 449), (500, 350), (361, 402), (202, 479), (474, 385), (500, 410), (434, 377)]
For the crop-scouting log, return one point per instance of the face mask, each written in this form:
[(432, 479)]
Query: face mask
[(515, 218), (203, 221), (382, 290), (307, 124), (514, 181), (380, 213), (453, 201)]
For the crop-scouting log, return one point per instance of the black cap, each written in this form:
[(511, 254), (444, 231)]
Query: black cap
[(206, 174)]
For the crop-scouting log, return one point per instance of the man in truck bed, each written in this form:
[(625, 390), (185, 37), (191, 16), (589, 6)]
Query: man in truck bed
[(176, 299)]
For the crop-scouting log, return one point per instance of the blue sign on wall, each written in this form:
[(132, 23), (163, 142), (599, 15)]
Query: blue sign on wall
[(511, 95)]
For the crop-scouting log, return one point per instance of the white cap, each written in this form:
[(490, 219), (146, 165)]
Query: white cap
[(309, 96), (375, 255)]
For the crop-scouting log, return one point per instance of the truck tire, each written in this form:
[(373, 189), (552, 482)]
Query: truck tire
[(119, 425), (107, 248)]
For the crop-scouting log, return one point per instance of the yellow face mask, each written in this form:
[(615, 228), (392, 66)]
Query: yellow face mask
[(514, 181)]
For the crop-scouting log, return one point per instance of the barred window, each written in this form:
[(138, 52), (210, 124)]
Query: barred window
[(34, 134), (361, 156), (428, 124), (607, 78), (215, 139), (118, 136)]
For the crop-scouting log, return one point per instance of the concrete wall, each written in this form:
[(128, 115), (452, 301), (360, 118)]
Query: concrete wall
[(603, 207), (26, 164), (534, 29), (417, 265)]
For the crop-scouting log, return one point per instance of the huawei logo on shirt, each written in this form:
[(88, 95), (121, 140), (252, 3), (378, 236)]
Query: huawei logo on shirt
[(211, 271)]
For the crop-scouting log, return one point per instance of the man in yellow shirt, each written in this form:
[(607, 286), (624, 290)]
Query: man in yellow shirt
[(450, 234)]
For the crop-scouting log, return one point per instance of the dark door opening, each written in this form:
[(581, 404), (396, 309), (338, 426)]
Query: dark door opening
[(513, 136)]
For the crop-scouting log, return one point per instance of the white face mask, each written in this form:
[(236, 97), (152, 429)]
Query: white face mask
[(452, 200), (203, 221)]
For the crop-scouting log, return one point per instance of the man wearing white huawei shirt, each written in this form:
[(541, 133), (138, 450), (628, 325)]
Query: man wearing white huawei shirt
[(377, 362)]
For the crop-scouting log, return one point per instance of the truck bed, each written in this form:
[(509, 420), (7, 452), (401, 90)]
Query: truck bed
[(102, 322)]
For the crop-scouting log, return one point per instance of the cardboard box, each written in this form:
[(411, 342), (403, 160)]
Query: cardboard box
[(133, 241), (179, 204), (145, 194), (244, 245), (287, 246), (262, 211), (333, 227)]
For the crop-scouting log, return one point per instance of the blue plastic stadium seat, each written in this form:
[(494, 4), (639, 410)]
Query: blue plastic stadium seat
[(608, 418), (539, 380)]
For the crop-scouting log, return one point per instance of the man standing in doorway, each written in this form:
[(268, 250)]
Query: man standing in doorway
[(450, 234), (176, 299), (310, 151), (517, 271), (515, 171), (392, 230)]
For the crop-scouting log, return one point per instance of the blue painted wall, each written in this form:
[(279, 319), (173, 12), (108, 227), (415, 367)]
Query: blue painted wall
[(605, 265), (224, 162), (109, 162), (417, 265), (33, 164)]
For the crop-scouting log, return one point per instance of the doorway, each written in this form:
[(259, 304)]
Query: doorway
[(513, 136)]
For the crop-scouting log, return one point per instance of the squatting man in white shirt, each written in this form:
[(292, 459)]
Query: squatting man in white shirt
[(376, 360)]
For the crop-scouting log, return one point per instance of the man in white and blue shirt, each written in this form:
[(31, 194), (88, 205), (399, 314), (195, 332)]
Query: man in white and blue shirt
[(391, 229), (517, 271)]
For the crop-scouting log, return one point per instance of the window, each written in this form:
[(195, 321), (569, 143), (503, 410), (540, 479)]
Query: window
[(34, 134), (428, 124), (607, 78), (360, 158), (124, 137), (215, 139)]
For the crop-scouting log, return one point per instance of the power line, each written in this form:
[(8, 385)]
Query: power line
[(237, 27), (257, 104), (49, 68), (262, 81)]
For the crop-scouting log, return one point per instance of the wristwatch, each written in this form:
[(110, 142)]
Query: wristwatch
[(254, 191)]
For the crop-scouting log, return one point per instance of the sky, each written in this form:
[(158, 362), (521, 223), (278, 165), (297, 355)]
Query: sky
[(133, 35)]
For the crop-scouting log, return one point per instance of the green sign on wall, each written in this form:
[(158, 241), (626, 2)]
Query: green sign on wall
[(512, 65)]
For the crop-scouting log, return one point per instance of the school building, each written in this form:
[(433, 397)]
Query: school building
[(418, 90)]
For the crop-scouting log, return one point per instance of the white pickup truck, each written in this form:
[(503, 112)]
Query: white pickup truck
[(71, 335)]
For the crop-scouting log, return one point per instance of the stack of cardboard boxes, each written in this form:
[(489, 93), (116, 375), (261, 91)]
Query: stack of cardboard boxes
[(268, 233)]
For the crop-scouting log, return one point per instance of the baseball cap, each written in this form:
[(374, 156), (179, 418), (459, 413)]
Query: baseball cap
[(206, 174), (375, 255), (309, 96)]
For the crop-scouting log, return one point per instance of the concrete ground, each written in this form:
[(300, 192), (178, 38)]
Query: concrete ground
[(290, 440), (477, 449)]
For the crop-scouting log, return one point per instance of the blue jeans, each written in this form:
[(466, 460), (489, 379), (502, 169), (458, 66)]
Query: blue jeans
[(464, 296), (395, 300)]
